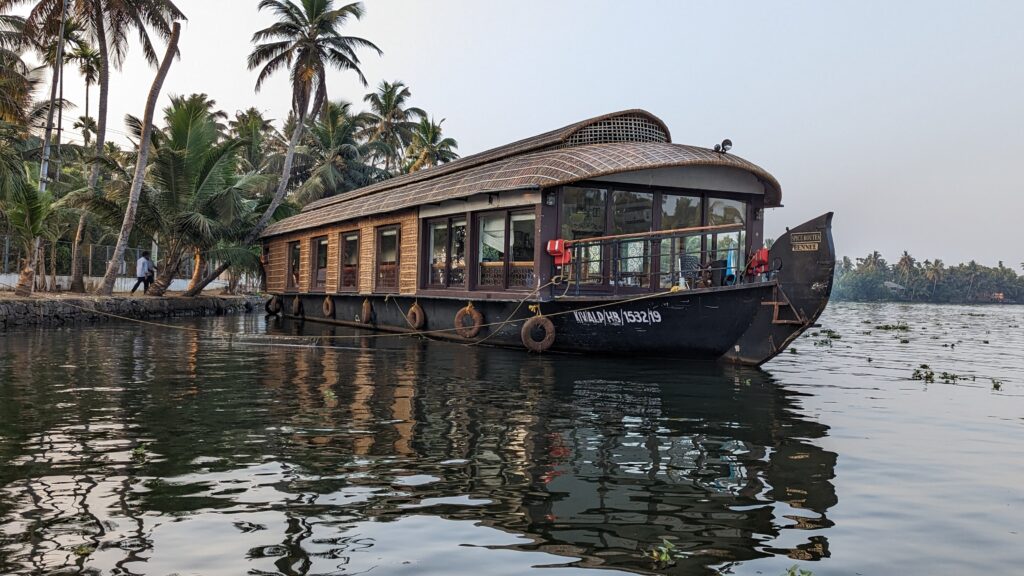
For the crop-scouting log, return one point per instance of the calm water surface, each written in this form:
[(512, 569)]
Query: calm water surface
[(132, 449)]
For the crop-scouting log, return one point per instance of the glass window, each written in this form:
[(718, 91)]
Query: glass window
[(457, 276), (680, 211), (632, 212), (680, 261), (584, 214), (319, 262), (584, 211), (491, 250), (437, 235), (349, 261), (722, 211), (387, 259), (294, 261), (524, 233)]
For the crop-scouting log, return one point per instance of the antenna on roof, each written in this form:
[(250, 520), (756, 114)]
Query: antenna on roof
[(724, 147)]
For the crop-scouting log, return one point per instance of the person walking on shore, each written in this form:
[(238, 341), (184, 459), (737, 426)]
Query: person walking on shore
[(143, 273)]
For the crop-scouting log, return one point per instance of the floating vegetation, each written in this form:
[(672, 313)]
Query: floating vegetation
[(904, 341), (831, 334), (795, 570), (984, 341), (139, 453), (664, 554), (997, 384), (792, 351), (950, 377), (925, 373), (84, 550), (902, 326)]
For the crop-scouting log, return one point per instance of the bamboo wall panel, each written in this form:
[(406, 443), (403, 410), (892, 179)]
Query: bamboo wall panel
[(277, 254)]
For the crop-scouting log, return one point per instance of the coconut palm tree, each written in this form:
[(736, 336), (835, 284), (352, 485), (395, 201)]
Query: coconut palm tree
[(336, 157), (27, 211), (307, 39), (87, 124), (934, 272), (390, 123), (260, 136), (429, 147), (88, 59), (905, 266)]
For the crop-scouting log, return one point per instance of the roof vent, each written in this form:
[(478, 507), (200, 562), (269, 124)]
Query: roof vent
[(631, 128)]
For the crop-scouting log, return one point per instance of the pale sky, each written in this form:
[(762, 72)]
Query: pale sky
[(904, 118)]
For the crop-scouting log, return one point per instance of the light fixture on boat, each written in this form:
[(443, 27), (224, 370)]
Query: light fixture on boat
[(724, 147)]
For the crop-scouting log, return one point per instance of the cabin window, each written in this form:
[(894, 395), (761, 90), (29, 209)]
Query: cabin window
[(633, 212), (521, 245), (319, 272), (349, 260), (491, 251), (505, 249), (446, 252), (294, 261), (726, 251), (387, 259), (584, 215), (680, 257)]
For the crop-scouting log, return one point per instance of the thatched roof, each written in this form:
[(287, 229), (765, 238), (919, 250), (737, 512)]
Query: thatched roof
[(621, 142)]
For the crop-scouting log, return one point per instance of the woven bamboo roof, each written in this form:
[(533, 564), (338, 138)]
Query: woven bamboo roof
[(622, 142)]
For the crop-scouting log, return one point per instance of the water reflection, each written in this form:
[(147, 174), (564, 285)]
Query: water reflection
[(134, 450)]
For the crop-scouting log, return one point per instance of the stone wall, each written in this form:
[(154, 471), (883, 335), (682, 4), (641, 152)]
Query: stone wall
[(52, 311)]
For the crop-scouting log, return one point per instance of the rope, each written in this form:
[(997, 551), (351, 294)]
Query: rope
[(241, 336)]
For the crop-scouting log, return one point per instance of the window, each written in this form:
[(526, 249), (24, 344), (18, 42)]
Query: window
[(633, 212), (491, 251), (680, 257), (505, 249), (446, 252), (294, 261), (584, 215), (387, 259), (319, 271), (349, 260), (723, 211)]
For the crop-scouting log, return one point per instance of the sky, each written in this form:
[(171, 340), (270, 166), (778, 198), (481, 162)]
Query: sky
[(904, 118)]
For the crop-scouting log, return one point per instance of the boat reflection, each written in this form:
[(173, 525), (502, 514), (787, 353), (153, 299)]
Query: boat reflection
[(292, 460)]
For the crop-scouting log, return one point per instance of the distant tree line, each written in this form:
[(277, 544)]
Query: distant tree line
[(873, 279)]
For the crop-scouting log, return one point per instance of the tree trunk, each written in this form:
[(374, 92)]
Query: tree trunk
[(40, 265), (77, 270), (198, 264), (165, 277), (25, 278), (53, 266), (282, 189), (110, 277)]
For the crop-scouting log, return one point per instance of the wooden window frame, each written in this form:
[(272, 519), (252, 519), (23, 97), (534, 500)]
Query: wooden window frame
[(341, 260), (474, 268), (377, 258), (292, 277), (314, 257), (426, 256)]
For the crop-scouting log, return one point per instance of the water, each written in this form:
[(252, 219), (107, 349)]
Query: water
[(133, 449)]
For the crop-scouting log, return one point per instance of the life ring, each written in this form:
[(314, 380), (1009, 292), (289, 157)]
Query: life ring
[(273, 306), (328, 307), (297, 309), (527, 334), (416, 317), (366, 314), (460, 321)]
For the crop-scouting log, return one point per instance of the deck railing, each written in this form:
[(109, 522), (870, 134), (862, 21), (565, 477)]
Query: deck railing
[(687, 258)]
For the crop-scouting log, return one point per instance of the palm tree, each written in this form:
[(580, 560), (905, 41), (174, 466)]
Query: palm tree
[(260, 136), (87, 124), (906, 265), (307, 40), (390, 124), (934, 271), (17, 79), (27, 211), (337, 158), (429, 147), (88, 59)]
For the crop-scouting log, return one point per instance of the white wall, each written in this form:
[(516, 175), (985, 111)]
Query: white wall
[(8, 282)]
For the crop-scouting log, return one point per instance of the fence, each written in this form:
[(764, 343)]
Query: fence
[(57, 262)]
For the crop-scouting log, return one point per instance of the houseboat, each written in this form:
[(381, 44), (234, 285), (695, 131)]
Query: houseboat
[(602, 237)]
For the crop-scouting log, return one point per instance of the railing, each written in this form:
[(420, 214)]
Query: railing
[(687, 258)]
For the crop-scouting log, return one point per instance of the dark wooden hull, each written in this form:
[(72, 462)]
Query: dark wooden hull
[(744, 324)]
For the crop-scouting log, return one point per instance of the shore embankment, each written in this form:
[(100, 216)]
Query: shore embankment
[(56, 310)]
